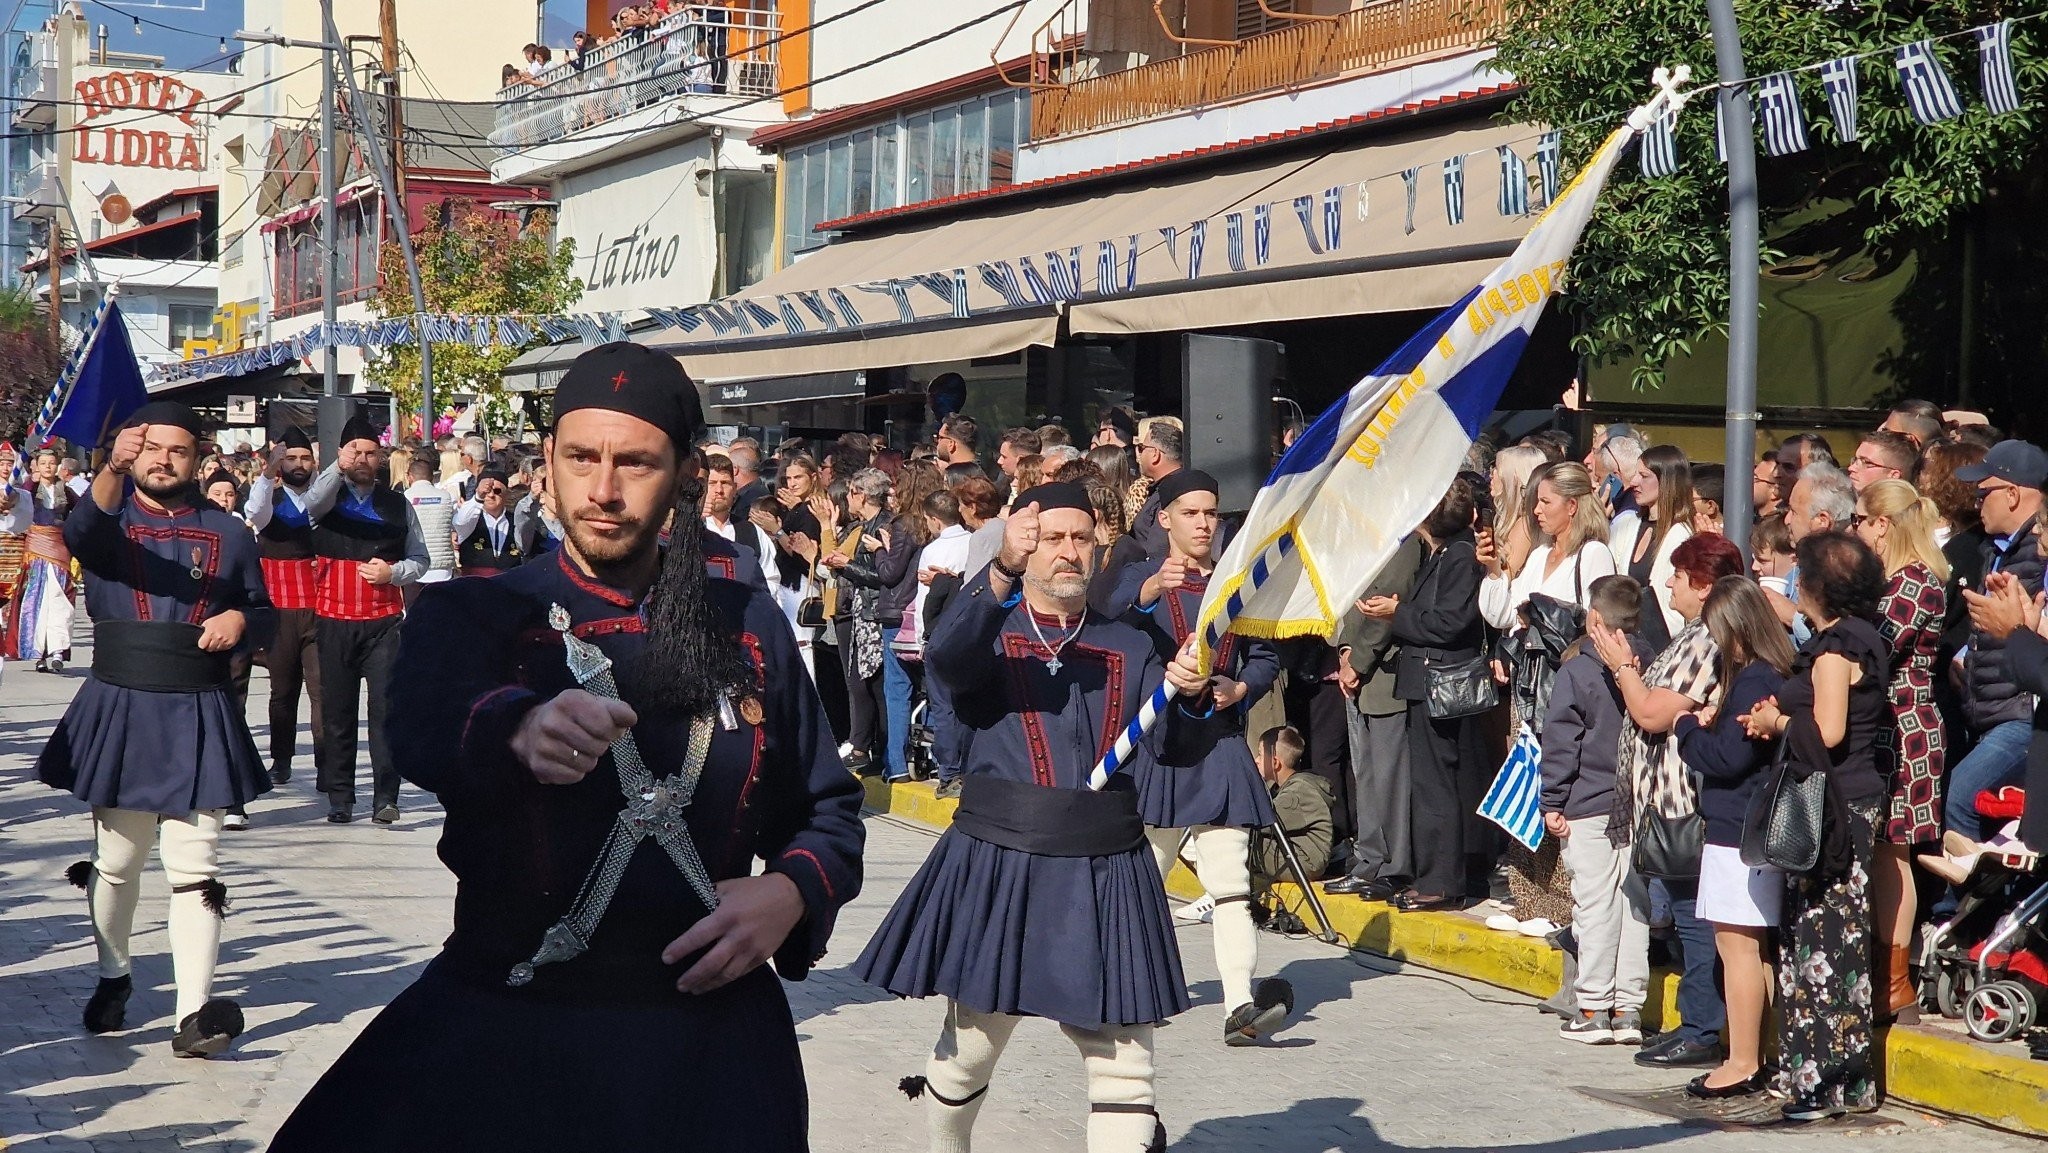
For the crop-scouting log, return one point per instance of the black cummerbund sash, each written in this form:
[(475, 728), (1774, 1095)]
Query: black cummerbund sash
[(156, 657), (1050, 822)]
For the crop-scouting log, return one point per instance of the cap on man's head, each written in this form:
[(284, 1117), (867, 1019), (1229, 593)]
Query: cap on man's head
[(1056, 494), (1120, 419), (295, 437), (168, 412), (2012, 461), (636, 380), (1175, 485), (358, 428)]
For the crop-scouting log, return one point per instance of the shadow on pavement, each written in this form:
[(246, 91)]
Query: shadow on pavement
[(1324, 1123)]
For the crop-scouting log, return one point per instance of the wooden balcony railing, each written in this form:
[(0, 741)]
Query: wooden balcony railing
[(1362, 40)]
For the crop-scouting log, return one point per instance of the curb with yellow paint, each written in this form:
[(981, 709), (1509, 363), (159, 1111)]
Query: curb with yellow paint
[(1927, 1068)]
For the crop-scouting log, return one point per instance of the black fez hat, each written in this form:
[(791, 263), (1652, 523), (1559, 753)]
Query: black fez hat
[(631, 378), (357, 428), (220, 475), (1120, 419), (1056, 494), (497, 474), (168, 412), (1177, 484), (295, 437)]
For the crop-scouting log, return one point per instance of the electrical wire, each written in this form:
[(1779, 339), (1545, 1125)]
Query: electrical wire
[(109, 4)]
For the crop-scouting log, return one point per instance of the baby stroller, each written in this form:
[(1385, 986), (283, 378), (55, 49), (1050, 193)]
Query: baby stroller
[(1988, 963), (919, 757)]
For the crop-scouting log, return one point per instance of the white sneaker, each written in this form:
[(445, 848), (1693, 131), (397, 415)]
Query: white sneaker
[(234, 821), (1537, 927), (1504, 923), (1197, 912), (845, 750)]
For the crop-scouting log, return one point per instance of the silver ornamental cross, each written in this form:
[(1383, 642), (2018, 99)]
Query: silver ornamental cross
[(654, 808)]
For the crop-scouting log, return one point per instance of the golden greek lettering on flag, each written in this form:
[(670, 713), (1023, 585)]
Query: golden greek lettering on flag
[(1367, 472), (1371, 468)]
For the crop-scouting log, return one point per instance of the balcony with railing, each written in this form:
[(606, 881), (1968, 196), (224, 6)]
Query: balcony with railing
[(38, 83), (1072, 94), (712, 51)]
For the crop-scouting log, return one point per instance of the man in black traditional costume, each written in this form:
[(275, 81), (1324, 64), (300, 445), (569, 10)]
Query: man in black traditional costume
[(1042, 899), (616, 736)]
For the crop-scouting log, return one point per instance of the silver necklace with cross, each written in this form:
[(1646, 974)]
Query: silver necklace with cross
[(654, 808)]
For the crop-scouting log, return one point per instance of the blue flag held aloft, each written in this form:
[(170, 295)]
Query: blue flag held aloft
[(108, 388)]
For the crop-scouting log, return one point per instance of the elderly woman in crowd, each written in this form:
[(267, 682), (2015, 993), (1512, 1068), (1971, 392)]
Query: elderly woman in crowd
[(1571, 530), (1740, 901), (1652, 778), (1832, 710), (1439, 630), (1898, 525), (1662, 485)]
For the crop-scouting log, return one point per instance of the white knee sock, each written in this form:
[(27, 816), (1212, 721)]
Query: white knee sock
[(957, 1076), (1223, 863), (121, 843), (1118, 1060), (191, 852)]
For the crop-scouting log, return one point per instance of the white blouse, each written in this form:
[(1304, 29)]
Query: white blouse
[(1501, 599)]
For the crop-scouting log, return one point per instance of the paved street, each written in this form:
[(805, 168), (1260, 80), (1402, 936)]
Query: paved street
[(331, 921)]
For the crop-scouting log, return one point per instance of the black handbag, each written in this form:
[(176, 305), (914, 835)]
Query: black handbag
[(1786, 817), (1459, 688), (1668, 848)]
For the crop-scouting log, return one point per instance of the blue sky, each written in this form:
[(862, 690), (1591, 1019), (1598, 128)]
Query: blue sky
[(190, 40)]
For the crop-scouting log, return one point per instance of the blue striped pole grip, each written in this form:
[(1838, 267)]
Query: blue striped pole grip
[(53, 404), (1120, 754)]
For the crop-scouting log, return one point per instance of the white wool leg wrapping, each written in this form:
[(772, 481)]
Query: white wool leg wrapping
[(960, 1068), (120, 848), (1118, 1060), (191, 853), (1223, 864)]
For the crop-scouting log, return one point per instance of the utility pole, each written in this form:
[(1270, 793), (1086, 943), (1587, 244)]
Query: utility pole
[(387, 32), (56, 286), (1739, 447), (330, 286), (395, 210)]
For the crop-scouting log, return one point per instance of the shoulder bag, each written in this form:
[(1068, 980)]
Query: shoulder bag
[(1786, 816), (1669, 848), (1459, 688)]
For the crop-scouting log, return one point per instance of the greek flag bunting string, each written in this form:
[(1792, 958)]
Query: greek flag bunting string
[(1994, 67), (1514, 183), (1409, 180), (1454, 190), (1547, 148), (1262, 234), (1778, 106), (1930, 95), (1659, 149), (1838, 80), (1233, 228), (1198, 241)]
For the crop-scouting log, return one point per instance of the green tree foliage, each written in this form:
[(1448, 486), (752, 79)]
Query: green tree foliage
[(1650, 275), (472, 262), (29, 363)]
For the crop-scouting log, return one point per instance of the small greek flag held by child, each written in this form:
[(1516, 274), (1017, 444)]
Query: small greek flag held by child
[(1515, 802)]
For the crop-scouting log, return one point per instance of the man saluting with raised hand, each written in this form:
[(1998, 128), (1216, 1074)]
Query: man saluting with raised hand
[(154, 740), (1042, 899)]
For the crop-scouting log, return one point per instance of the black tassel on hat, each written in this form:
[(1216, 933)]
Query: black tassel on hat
[(79, 874)]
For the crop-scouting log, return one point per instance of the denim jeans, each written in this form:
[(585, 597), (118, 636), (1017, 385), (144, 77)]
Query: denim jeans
[(2000, 758), (1702, 1013), (896, 699)]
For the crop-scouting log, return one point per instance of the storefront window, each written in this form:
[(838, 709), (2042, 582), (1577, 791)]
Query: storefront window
[(839, 178), (917, 164), (886, 162), (945, 153), (1003, 135), (974, 147), (862, 194)]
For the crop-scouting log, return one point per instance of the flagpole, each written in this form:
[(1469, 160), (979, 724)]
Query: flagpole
[(60, 391), (1739, 444)]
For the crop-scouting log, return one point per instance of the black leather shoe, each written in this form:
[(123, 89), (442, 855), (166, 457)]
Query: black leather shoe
[(340, 814), (1680, 1055), (1756, 1083), (1414, 902), (1347, 885), (280, 774), (385, 814)]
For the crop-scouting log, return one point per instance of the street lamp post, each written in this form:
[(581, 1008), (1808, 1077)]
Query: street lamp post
[(1739, 447)]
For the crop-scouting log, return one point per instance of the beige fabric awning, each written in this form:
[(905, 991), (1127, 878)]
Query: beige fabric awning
[(1387, 259)]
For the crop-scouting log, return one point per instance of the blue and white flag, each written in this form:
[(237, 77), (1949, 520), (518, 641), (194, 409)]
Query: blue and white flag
[(1198, 243), (1659, 151), (1777, 101), (1547, 148), (1454, 190), (1409, 179), (1514, 183), (1515, 800), (1994, 67), (1929, 94), (1838, 80), (1233, 240), (1262, 234), (1001, 275), (1360, 478)]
